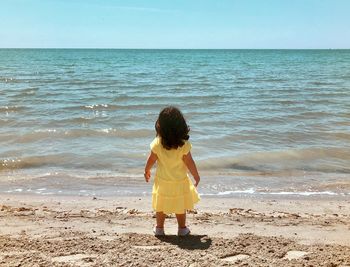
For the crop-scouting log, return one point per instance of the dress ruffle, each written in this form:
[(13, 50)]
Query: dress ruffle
[(174, 196)]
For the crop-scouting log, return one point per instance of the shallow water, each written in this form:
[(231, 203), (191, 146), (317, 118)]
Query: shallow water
[(262, 121)]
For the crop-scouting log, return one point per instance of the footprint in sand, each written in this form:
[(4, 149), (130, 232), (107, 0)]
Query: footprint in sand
[(235, 258), (80, 259), (295, 254)]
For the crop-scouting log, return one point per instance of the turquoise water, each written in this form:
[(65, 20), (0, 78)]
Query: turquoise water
[(262, 121)]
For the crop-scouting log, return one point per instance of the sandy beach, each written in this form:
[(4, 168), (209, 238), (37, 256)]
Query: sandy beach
[(90, 231)]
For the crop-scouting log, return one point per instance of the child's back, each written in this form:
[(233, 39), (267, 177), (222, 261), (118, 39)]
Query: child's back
[(173, 190), (170, 164)]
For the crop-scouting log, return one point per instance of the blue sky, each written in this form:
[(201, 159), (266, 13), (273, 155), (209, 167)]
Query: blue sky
[(175, 23)]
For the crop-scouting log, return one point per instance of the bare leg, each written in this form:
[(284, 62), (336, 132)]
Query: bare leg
[(181, 220), (160, 216)]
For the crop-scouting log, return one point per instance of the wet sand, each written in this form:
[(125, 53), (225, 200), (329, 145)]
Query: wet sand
[(86, 231)]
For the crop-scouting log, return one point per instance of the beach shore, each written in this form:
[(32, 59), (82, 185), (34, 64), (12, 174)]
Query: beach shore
[(117, 231)]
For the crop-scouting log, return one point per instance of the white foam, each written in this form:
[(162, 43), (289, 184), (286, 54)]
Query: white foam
[(252, 191), (305, 193), (248, 191), (46, 131)]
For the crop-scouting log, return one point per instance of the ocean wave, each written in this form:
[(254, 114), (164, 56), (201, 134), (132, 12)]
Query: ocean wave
[(113, 107), (60, 161), (155, 105), (78, 133), (76, 120), (35, 161), (326, 160), (340, 135), (4, 122), (277, 80), (314, 114), (252, 191), (11, 108), (9, 80), (322, 83), (165, 98), (26, 92)]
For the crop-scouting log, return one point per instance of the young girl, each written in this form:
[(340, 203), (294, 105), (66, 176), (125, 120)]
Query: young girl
[(173, 191)]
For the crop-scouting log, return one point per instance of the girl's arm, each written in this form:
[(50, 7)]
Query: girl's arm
[(152, 158), (191, 166)]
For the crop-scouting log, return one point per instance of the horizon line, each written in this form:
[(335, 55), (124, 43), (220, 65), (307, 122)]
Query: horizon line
[(131, 48)]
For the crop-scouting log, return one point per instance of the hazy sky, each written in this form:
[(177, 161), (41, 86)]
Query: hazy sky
[(175, 23)]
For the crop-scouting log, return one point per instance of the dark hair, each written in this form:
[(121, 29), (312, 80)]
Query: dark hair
[(171, 126)]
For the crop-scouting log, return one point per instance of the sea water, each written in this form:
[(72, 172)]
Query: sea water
[(262, 121)]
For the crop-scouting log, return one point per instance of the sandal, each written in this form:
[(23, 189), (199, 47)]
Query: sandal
[(158, 231), (183, 231)]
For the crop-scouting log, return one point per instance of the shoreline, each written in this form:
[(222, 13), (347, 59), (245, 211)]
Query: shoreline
[(217, 186), (256, 195), (317, 227)]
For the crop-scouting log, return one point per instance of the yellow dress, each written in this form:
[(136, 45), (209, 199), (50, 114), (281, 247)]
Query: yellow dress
[(173, 190)]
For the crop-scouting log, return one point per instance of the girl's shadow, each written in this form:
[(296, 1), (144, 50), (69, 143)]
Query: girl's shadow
[(191, 242)]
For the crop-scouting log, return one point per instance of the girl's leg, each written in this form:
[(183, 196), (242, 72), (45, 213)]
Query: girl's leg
[(181, 220), (160, 216)]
